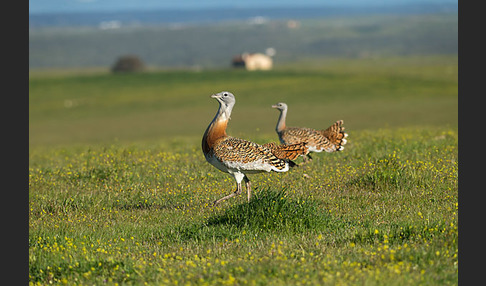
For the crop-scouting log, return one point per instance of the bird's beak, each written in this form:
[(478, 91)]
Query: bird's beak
[(274, 106), (214, 96)]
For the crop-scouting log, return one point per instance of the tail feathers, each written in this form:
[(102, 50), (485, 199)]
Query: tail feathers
[(336, 135), (289, 152)]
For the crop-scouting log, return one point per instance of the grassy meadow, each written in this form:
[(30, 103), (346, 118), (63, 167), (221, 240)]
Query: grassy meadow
[(120, 193)]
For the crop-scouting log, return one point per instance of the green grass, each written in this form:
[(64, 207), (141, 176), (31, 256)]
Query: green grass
[(367, 94), (137, 210), (384, 211)]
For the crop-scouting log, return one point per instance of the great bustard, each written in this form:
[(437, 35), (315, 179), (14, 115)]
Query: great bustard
[(239, 157), (330, 140)]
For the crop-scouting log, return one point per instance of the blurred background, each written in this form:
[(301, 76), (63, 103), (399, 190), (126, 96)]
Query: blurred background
[(207, 34), (126, 70)]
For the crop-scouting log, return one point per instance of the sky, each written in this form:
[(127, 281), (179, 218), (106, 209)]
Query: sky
[(60, 6)]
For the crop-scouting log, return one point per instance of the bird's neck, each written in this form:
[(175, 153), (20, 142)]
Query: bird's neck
[(281, 121), (216, 129)]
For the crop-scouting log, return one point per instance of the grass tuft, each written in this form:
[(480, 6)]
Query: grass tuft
[(274, 210)]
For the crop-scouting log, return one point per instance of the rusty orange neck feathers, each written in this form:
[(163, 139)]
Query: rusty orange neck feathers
[(215, 131), (217, 128)]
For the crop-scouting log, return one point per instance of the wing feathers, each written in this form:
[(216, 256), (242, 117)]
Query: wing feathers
[(289, 152), (331, 139), (246, 152)]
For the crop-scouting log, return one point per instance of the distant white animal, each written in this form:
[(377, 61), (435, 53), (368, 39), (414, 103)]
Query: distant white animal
[(253, 61)]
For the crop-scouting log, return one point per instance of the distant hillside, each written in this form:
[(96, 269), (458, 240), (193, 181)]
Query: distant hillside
[(212, 45), (158, 17)]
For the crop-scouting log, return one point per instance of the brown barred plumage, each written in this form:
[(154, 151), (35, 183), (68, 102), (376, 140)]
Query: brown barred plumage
[(239, 157), (330, 140), (231, 149), (290, 152), (335, 134)]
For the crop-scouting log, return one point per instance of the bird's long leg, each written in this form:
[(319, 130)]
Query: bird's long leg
[(237, 192), (248, 187)]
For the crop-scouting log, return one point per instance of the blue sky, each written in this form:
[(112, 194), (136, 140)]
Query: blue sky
[(50, 6)]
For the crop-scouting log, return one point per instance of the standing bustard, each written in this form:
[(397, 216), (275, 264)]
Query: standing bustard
[(239, 157), (331, 139)]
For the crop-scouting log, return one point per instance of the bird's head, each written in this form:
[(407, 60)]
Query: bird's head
[(226, 102), (280, 106)]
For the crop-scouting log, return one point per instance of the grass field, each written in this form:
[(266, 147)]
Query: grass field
[(119, 189), (366, 94)]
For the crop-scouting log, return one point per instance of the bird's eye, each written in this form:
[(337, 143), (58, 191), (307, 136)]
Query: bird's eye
[(225, 94)]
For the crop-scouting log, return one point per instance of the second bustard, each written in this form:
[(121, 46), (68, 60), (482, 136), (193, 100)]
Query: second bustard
[(330, 140), (239, 157)]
